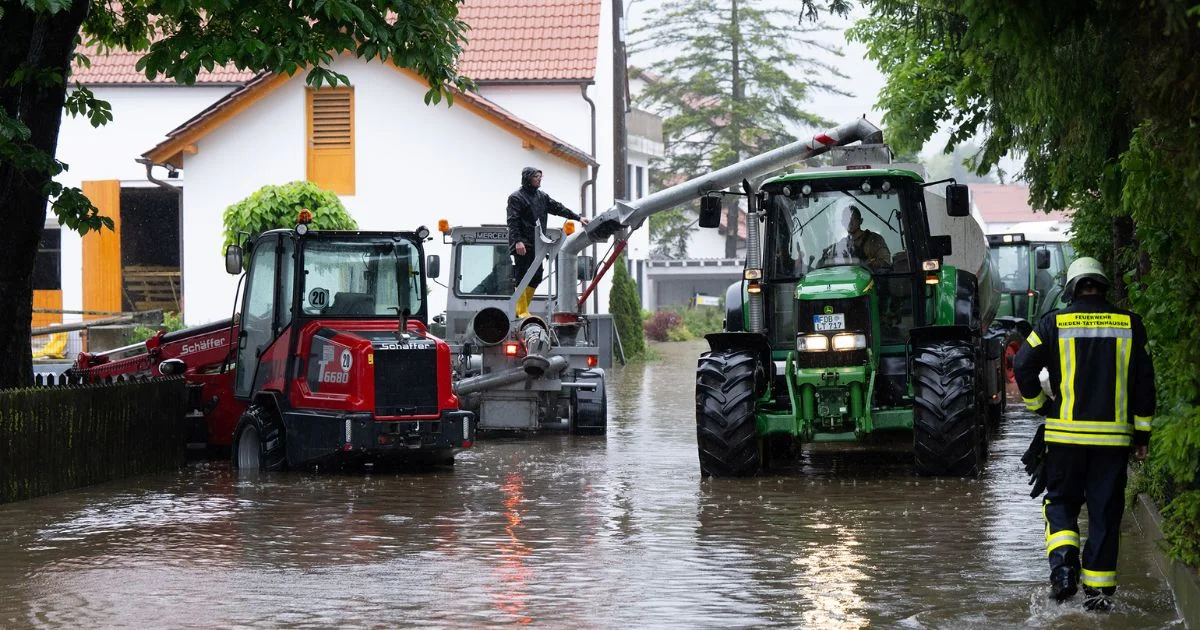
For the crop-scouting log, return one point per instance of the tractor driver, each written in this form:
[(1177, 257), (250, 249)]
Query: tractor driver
[(865, 245)]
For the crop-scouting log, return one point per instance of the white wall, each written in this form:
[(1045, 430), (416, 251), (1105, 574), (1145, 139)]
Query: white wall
[(558, 109), (142, 116), (415, 164)]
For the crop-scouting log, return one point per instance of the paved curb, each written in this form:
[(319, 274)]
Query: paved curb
[(1184, 582)]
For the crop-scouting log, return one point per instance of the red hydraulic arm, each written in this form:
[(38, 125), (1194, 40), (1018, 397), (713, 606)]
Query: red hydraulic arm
[(616, 252)]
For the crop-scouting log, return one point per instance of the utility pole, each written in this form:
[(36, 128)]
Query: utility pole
[(620, 133), (733, 229)]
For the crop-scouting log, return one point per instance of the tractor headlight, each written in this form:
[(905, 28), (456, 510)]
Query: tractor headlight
[(812, 343), (849, 341)]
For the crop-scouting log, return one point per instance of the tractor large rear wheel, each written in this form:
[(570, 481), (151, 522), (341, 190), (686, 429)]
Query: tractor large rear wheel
[(726, 432), (949, 427), (258, 442)]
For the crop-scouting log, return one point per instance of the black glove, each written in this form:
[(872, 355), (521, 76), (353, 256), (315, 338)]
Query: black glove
[(1034, 460)]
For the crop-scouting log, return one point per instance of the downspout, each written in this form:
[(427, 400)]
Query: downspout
[(150, 175), (591, 182)]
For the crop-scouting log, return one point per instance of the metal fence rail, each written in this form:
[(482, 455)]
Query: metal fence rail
[(57, 438)]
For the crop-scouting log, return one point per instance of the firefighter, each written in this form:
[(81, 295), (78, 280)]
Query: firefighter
[(1098, 411), (528, 207)]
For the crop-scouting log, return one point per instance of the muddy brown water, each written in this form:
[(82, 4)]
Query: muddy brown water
[(558, 531)]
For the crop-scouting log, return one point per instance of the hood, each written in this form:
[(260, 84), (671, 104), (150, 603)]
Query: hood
[(527, 174), (834, 282)]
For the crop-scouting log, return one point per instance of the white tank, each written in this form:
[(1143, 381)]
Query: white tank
[(1042, 231), (969, 248)]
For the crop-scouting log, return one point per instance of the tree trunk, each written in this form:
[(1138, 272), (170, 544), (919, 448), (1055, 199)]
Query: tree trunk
[(1122, 250), (38, 41)]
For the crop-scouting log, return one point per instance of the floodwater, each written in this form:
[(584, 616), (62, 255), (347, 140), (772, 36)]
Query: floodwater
[(559, 531)]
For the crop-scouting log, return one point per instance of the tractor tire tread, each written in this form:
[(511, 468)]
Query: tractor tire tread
[(726, 428)]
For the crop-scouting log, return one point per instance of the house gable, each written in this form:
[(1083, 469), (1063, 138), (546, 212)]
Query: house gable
[(183, 139)]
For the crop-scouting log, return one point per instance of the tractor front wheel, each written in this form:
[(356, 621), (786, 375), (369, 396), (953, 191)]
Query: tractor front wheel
[(949, 427), (258, 443), (726, 432)]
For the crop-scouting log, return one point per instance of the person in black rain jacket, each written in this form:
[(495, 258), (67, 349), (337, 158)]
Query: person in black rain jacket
[(527, 208)]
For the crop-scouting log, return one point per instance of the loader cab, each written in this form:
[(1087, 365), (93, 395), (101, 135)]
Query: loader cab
[(293, 277), (839, 247), (482, 274)]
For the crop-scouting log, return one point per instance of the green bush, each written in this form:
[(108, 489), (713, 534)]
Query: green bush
[(1157, 176), (703, 320), (171, 322), (626, 309), (272, 207)]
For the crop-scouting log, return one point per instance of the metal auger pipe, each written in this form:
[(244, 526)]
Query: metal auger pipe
[(507, 377), (626, 216)]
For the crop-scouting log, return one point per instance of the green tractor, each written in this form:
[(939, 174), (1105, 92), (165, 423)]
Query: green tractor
[(865, 309), (1031, 260)]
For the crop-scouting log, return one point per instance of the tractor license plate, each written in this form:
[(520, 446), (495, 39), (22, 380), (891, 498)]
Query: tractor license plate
[(836, 321)]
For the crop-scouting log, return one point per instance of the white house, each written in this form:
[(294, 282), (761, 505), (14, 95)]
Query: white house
[(395, 162), (545, 99)]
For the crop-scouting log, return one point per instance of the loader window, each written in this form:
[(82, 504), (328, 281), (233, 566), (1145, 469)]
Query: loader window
[(485, 269), (361, 278)]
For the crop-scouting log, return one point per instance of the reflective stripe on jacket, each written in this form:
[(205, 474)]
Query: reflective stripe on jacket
[(1101, 375)]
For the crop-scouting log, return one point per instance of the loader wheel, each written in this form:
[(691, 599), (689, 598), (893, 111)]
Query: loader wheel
[(949, 430), (726, 431), (258, 442), (589, 410)]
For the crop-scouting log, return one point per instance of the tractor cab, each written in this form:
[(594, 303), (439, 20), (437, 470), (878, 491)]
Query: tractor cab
[(839, 247), (1032, 273), (482, 274)]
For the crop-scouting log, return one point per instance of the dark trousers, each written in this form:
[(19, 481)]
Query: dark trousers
[(521, 265), (1097, 475)]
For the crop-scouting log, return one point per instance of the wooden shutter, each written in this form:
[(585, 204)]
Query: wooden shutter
[(102, 251), (331, 138)]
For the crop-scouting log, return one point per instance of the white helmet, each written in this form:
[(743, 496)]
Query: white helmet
[(1085, 268)]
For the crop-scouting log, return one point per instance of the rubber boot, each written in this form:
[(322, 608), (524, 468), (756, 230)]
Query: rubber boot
[(523, 303), (1064, 583), (1098, 599)]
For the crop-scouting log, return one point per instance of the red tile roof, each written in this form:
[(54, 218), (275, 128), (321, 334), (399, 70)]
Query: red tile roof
[(530, 40), (509, 40), (119, 68), (1009, 203)]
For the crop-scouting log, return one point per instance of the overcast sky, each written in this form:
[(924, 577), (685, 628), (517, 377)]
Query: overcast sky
[(863, 84)]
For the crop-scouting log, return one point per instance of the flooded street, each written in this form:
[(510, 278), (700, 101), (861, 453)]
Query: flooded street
[(560, 531)]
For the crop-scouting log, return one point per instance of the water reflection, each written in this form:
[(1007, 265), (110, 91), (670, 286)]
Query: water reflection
[(559, 531), (829, 577), (512, 574)]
